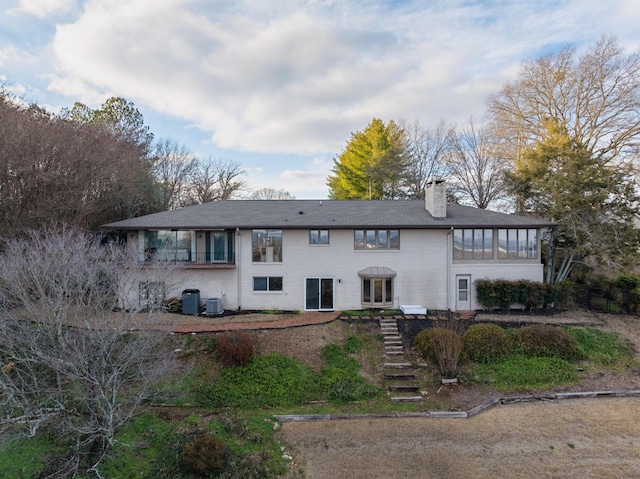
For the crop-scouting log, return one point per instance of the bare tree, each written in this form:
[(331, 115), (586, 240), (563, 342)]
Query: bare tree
[(58, 171), (425, 151), (213, 180), (595, 96), (71, 359), (477, 165), (173, 165), (271, 194)]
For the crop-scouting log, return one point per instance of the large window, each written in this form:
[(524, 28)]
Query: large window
[(267, 283), (472, 243), (517, 243), (266, 246), (318, 236), (168, 245), (377, 291), (376, 239)]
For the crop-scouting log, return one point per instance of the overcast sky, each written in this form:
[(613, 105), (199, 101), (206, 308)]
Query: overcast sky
[(279, 85)]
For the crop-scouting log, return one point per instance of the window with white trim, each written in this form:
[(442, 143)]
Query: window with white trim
[(318, 236), (267, 283), (518, 243), (376, 239)]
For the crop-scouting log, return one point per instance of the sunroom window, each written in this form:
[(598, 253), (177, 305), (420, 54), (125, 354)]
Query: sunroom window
[(168, 245)]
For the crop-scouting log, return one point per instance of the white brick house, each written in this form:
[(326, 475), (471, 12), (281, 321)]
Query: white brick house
[(335, 255)]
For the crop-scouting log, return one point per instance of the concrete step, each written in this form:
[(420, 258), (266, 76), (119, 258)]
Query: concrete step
[(392, 337), (394, 353), (393, 343)]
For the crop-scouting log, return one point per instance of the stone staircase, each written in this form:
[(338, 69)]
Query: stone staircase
[(399, 376)]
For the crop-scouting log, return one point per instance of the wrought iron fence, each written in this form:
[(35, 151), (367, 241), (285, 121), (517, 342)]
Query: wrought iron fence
[(610, 300)]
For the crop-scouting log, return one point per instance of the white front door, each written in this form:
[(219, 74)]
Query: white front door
[(463, 292)]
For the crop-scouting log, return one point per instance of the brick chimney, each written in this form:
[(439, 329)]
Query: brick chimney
[(435, 198)]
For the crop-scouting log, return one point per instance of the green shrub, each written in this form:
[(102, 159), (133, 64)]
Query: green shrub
[(545, 340), (441, 345), (526, 372), (204, 456), (234, 349), (486, 342), (627, 282)]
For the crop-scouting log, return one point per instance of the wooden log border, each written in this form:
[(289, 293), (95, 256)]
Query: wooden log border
[(460, 414)]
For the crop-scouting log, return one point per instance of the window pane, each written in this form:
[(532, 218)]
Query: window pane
[(462, 295), (314, 236), (274, 246), (312, 293), (388, 295), (478, 243), (382, 239), (371, 239), (259, 283), (512, 245), (324, 237), (468, 244), (488, 244), (463, 284), (502, 243), (275, 283), (259, 246), (522, 243), (358, 239), (533, 243), (377, 291), (394, 239), (366, 290), (457, 244)]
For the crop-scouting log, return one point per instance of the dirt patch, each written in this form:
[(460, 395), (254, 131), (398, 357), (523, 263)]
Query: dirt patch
[(570, 439)]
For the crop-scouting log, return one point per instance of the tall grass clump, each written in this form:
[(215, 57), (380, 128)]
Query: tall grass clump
[(441, 345)]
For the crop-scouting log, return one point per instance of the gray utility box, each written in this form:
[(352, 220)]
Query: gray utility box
[(214, 306), (191, 301)]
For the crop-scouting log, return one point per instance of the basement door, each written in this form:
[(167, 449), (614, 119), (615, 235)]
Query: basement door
[(318, 294), (463, 292)]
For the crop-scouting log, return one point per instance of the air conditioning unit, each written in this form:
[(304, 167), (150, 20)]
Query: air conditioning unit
[(214, 306)]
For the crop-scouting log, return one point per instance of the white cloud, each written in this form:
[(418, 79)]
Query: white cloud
[(298, 77), (43, 8)]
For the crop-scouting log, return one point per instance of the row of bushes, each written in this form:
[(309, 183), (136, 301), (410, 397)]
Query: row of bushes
[(486, 342), (529, 294)]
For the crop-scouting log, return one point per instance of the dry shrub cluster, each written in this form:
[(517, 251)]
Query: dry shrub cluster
[(235, 349), (204, 456)]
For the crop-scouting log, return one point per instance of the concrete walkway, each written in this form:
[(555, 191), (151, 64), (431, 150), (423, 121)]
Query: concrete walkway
[(197, 324)]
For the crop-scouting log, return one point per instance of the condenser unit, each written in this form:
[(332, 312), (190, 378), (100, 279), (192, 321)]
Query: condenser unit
[(214, 306)]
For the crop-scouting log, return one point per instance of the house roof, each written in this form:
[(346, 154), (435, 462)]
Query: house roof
[(325, 214)]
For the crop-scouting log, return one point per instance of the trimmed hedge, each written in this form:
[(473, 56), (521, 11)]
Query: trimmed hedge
[(546, 341), (503, 293), (486, 343)]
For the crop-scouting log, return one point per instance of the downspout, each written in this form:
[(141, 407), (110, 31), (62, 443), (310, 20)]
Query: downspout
[(449, 261), (238, 267)]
